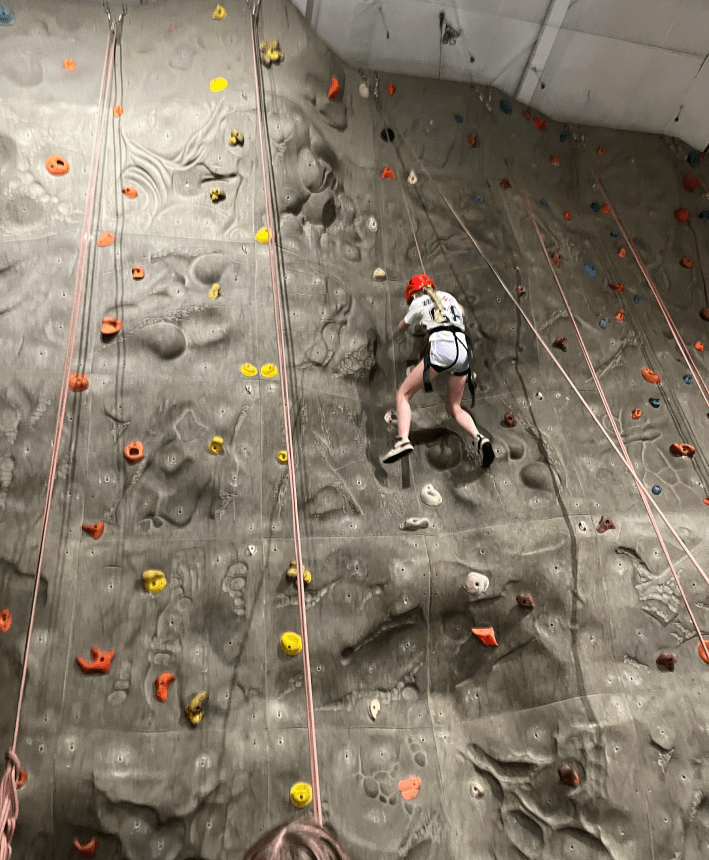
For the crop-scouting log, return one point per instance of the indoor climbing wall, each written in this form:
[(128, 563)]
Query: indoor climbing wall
[(165, 572)]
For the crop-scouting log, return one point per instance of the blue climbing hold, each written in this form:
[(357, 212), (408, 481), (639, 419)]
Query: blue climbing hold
[(687, 378), (7, 16), (637, 298), (655, 402), (693, 158), (590, 269), (602, 324), (477, 199), (657, 489), (596, 206), (505, 106), (704, 215), (564, 136), (614, 234), (544, 204), (458, 118)]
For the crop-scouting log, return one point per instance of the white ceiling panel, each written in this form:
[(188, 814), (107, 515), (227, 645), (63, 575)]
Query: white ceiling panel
[(693, 124), (413, 42), (534, 11), (644, 21), (690, 31)]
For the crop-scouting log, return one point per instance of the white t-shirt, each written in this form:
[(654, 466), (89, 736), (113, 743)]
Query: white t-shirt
[(422, 309)]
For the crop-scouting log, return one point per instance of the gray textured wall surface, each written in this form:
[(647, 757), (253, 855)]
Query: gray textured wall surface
[(485, 729)]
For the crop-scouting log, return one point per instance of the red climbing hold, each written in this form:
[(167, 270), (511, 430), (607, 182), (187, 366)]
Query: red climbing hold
[(138, 273), (521, 290), (388, 173), (704, 314), (101, 661), (105, 239), (667, 660), (561, 343), (556, 260), (409, 788), (636, 413), (527, 114), (95, 530), (162, 682), (699, 346), (620, 316), (22, 778), (690, 183), (78, 382), (526, 601), (505, 184), (618, 287), (87, 850), (605, 524), (131, 193), (510, 420), (567, 216), (133, 452), (110, 325), (601, 150), (622, 252), (334, 90), (568, 775), (5, 620), (682, 215), (472, 140), (486, 635), (681, 449), (651, 376), (555, 160), (540, 123), (687, 263), (391, 89), (605, 208), (703, 651)]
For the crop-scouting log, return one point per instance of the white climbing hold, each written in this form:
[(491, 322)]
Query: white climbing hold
[(391, 418), (364, 90), (476, 583), (379, 275), (374, 708), (372, 224), (431, 496), (477, 789), (252, 549), (413, 178), (412, 524)]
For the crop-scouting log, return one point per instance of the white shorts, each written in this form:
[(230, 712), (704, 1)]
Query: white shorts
[(449, 352)]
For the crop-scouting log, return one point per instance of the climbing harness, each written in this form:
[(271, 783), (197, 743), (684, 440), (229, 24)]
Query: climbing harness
[(8, 787), (276, 286)]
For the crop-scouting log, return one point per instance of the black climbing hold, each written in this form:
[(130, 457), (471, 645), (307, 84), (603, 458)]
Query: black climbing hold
[(687, 378), (704, 215), (505, 106), (655, 402), (693, 158), (387, 135), (614, 234), (596, 206), (564, 136), (657, 489), (637, 298), (544, 204), (458, 118)]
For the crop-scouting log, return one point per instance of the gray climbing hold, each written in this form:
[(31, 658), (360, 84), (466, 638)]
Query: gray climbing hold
[(477, 199), (476, 584), (413, 524), (544, 204), (637, 298), (430, 496)]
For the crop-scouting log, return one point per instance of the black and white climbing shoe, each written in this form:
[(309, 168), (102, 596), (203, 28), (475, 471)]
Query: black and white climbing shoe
[(401, 448), (484, 448)]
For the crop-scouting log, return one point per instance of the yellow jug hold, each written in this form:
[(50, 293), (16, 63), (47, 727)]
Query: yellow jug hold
[(269, 371), (248, 369), (218, 84), (195, 707), (215, 446), (282, 457), (154, 581), (291, 643), (292, 573), (214, 291), (263, 235), (301, 795), (219, 13)]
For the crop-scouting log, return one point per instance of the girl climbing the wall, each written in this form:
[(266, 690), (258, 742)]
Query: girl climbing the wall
[(442, 317), (303, 839)]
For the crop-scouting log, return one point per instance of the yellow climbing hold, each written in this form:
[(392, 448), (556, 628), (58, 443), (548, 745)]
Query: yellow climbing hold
[(291, 643), (249, 370), (292, 573), (282, 457), (154, 581), (270, 52), (217, 194), (195, 707), (235, 137), (219, 13), (301, 795), (214, 291), (263, 235), (218, 84), (215, 446), (269, 371)]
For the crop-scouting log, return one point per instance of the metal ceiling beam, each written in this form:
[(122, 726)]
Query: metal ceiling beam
[(545, 40)]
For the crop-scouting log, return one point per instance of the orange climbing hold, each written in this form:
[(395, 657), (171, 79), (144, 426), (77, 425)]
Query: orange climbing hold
[(22, 778), (622, 252), (527, 114), (94, 530), (5, 620), (162, 682), (540, 123), (704, 314), (131, 193), (568, 776), (138, 273), (78, 382), (651, 376), (682, 215), (472, 140), (105, 239), (486, 635), (89, 849), (699, 346), (703, 651), (505, 184), (111, 325), (101, 661), (681, 449), (620, 316), (618, 287), (690, 183), (636, 413), (118, 111), (556, 160), (601, 150), (388, 173), (556, 259), (391, 89), (69, 64), (133, 452), (57, 165), (605, 208), (687, 263), (567, 216), (409, 788), (334, 90)]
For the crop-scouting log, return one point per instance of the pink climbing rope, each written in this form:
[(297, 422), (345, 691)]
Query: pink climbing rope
[(285, 400), (686, 354), (9, 806)]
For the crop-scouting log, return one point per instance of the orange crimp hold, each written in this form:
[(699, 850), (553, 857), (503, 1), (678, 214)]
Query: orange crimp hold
[(472, 140), (567, 216), (690, 183), (620, 316), (57, 165), (605, 208), (162, 682), (133, 452), (89, 849), (110, 325), (699, 346), (681, 449), (622, 252), (601, 150), (78, 382), (556, 259), (334, 90), (540, 123), (682, 215), (95, 530), (131, 193), (409, 788), (617, 286), (118, 111), (687, 263), (555, 159), (69, 64), (22, 778), (5, 620), (651, 376), (703, 651), (636, 413), (486, 635), (391, 89), (388, 173), (138, 273), (106, 239), (101, 662)]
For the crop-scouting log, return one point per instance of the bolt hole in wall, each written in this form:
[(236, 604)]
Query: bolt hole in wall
[(387, 135)]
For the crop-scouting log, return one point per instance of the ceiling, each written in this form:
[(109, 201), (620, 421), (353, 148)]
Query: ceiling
[(632, 64)]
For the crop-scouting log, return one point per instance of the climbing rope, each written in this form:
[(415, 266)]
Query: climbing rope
[(9, 806), (285, 400), (622, 454), (411, 220), (703, 388)]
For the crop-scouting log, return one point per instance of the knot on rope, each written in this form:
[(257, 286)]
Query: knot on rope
[(9, 806)]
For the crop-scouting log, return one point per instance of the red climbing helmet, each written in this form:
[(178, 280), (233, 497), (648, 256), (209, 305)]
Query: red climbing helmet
[(417, 282)]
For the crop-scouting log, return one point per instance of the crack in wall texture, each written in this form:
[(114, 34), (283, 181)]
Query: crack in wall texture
[(572, 681)]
